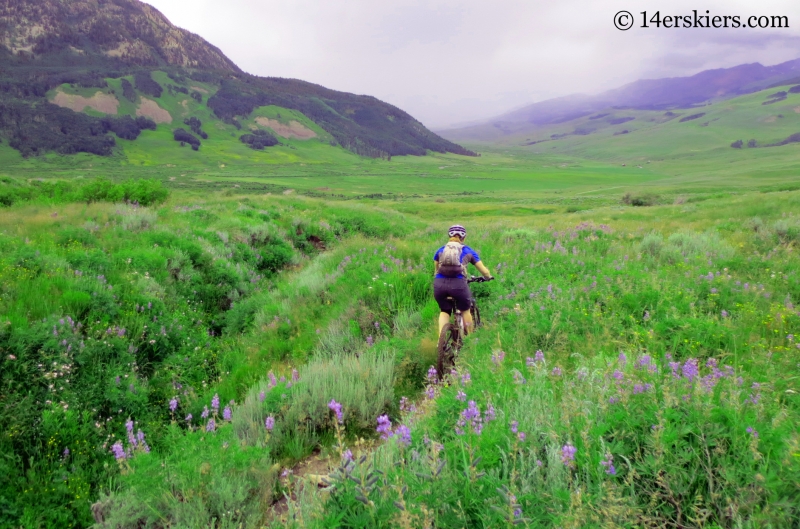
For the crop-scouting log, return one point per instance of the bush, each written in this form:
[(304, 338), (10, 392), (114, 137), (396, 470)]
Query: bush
[(127, 90), (184, 137), (737, 144), (692, 117), (259, 139), (195, 125), (145, 84), (644, 199)]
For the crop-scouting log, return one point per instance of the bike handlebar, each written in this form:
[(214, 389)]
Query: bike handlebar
[(474, 279)]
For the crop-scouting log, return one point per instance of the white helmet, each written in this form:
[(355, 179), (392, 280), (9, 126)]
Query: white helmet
[(457, 230)]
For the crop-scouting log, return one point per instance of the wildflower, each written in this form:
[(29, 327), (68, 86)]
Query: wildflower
[(690, 370), (189, 418), (498, 357), (118, 451), (295, 375), (638, 388), (215, 403), (752, 432), (618, 375), (370, 341), (622, 359), (272, 380), (675, 366), (173, 404), (556, 371), (568, 454), (336, 408), (432, 375), (430, 393), (518, 378), (347, 455), (521, 436), (204, 415), (466, 378), (269, 423), (608, 463), (514, 426), (646, 316), (384, 427), (644, 362), (66, 452), (211, 425), (724, 313), (261, 396), (461, 396), (517, 513), (226, 413), (405, 434), (613, 400), (489, 414)]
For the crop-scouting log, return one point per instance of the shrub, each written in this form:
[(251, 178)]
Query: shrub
[(136, 219), (127, 90), (737, 144), (195, 125), (145, 84), (692, 117), (644, 199), (259, 139), (184, 137)]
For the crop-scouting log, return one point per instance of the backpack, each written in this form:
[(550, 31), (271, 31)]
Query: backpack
[(450, 260)]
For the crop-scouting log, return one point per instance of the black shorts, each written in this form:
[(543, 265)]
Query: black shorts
[(452, 287)]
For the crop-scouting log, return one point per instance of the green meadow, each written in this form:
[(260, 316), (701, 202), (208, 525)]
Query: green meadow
[(209, 338)]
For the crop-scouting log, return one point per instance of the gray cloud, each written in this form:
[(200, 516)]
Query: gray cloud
[(449, 61)]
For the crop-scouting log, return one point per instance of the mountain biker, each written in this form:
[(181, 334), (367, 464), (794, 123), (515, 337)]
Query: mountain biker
[(450, 262)]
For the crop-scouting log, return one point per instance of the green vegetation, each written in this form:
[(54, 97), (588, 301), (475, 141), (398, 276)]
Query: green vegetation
[(223, 303)]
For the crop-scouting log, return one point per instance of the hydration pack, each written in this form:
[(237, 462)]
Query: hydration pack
[(450, 260)]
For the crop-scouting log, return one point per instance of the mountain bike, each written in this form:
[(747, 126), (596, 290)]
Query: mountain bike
[(452, 336)]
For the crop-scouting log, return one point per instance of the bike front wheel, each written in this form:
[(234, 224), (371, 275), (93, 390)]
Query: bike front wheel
[(449, 343), (476, 316)]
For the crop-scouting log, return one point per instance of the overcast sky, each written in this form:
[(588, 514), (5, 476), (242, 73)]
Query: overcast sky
[(455, 61)]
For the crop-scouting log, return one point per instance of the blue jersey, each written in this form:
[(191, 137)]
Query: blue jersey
[(468, 255)]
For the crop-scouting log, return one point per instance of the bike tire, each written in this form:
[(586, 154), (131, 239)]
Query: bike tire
[(476, 315), (447, 349)]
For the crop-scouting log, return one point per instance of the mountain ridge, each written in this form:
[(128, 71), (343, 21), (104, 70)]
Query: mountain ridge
[(88, 44), (643, 94)]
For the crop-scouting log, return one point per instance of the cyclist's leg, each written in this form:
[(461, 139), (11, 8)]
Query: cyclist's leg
[(468, 323), (444, 319)]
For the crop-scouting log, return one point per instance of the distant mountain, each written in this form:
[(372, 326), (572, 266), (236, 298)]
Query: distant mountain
[(49, 46), (645, 94)]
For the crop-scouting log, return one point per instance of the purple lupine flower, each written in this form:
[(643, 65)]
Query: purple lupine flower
[(521, 436), (272, 380), (295, 375), (489, 415), (617, 375), (613, 400), (690, 370), (370, 341), (377, 325), (724, 313), (211, 425), (129, 426), (66, 452), (752, 431), (261, 396), (189, 418), (432, 376), (269, 423), (498, 357), (384, 427), (430, 393), (204, 415), (517, 513), (336, 408), (638, 388), (226, 413), (518, 378), (404, 434), (608, 463), (556, 371), (173, 404), (646, 316), (539, 356), (118, 451), (644, 362), (461, 396), (215, 403), (568, 454), (514, 426), (675, 366), (622, 359), (347, 455), (466, 378)]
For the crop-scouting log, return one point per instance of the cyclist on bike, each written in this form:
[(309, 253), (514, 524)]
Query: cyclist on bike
[(450, 274)]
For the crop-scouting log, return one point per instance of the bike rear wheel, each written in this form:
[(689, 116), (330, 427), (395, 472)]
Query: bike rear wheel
[(449, 343), (476, 316)]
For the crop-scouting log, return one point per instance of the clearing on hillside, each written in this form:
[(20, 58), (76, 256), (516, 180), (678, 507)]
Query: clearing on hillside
[(150, 109), (101, 102), (293, 129)]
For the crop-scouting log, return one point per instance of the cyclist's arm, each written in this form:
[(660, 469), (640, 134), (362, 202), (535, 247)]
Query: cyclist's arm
[(483, 270)]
